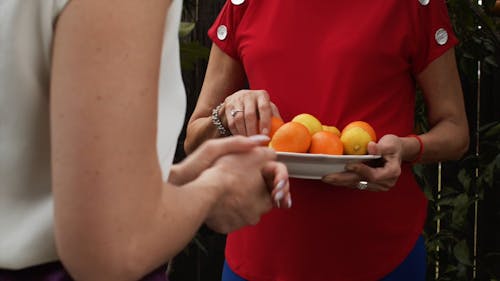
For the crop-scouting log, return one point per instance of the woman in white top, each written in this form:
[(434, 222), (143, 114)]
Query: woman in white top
[(95, 197)]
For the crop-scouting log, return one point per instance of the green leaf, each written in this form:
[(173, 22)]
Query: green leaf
[(461, 252), (490, 60), (486, 174), (461, 207), (465, 179), (191, 52), (448, 201), (491, 130), (428, 194), (185, 28)]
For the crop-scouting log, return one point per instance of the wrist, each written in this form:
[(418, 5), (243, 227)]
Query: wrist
[(205, 190), (217, 121), (177, 174), (214, 183), (415, 150)]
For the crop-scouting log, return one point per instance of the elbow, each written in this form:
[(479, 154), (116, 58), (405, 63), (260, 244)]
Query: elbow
[(462, 146)]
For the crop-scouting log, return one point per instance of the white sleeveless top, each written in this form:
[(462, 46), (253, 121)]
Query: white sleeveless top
[(26, 210)]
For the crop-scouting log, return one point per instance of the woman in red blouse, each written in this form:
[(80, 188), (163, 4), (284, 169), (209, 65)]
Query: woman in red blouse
[(340, 61)]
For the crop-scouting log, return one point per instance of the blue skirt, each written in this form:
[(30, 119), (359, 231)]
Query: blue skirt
[(413, 268)]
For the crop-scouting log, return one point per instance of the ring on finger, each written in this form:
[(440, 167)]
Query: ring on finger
[(362, 185), (233, 112)]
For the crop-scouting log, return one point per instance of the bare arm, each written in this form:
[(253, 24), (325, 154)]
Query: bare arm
[(223, 77), (103, 106), (114, 217), (448, 138)]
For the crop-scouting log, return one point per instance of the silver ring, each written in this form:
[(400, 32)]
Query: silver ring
[(234, 112), (362, 185)]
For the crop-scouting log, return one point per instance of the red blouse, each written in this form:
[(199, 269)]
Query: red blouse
[(340, 61)]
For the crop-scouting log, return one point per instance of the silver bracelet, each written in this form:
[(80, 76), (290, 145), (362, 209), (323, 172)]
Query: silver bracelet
[(218, 123)]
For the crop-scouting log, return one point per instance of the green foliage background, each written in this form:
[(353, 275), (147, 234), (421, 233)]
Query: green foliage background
[(463, 228)]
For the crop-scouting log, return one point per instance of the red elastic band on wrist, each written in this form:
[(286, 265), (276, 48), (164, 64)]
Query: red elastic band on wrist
[(420, 150)]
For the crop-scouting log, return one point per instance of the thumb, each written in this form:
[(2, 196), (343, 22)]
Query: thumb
[(373, 148)]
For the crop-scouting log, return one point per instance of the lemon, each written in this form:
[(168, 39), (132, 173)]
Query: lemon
[(312, 123), (331, 129), (355, 141)]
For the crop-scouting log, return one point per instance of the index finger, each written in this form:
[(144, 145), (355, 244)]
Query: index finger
[(215, 148)]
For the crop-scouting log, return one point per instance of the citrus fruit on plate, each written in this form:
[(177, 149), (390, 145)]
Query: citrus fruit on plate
[(276, 122), (331, 129), (291, 137), (316, 166), (356, 136), (325, 142), (312, 123)]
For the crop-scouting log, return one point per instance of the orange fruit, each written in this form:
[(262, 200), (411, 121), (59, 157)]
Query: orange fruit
[(325, 142), (291, 137), (331, 129), (312, 123), (356, 136), (276, 122)]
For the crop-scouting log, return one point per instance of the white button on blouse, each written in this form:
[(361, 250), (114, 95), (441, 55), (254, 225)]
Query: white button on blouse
[(222, 32), (441, 36)]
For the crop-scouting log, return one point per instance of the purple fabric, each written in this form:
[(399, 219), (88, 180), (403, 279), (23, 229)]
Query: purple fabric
[(56, 272)]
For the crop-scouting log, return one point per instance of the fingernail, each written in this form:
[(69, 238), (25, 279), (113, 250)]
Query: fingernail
[(280, 184), (259, 138), (289, 202), (279, 195), (277, 203), (265, 131)]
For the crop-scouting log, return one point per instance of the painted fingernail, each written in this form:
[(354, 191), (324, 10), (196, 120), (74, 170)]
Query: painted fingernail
[(259, 138), (277, 203), (289, 202), (279, 195), (265, 131), (280, 184)]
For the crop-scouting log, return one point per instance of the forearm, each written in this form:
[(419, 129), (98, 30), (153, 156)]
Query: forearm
[(123, 234), (224, 76), (447, 140), (199, 131)]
